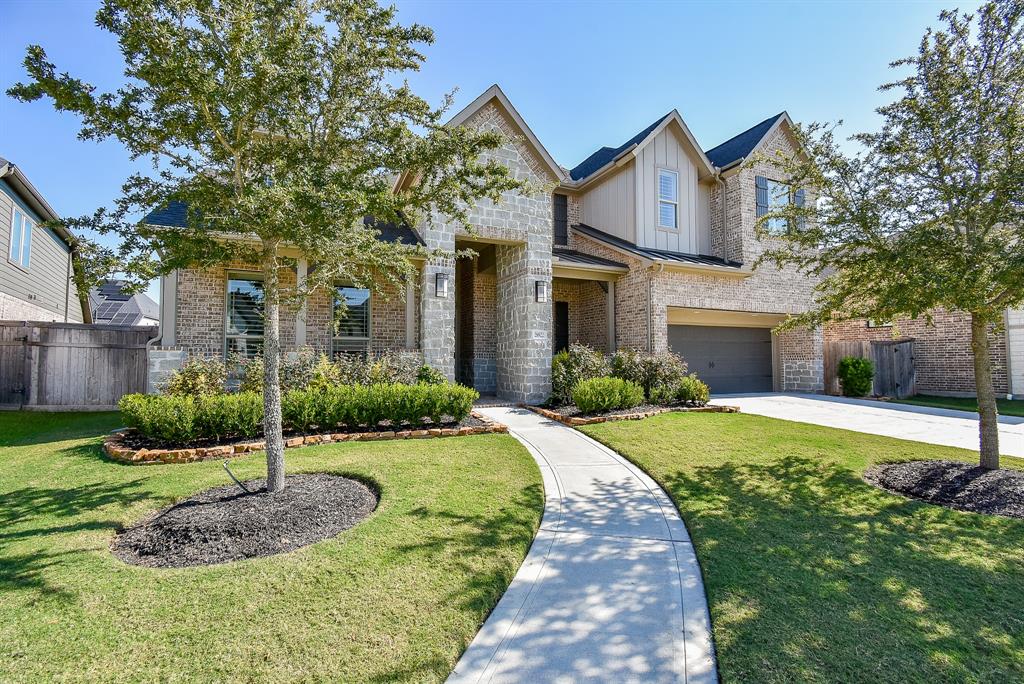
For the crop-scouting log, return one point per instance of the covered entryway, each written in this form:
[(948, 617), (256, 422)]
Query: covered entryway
[(732, 351)]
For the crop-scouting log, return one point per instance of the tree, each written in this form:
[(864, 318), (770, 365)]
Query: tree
[(279, 125), (926, 213)]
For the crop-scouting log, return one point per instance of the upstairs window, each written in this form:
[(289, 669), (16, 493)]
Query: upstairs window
[(243, 332), (773, 195), (351, 313), (561, 220), (668, 199), (21, 238)]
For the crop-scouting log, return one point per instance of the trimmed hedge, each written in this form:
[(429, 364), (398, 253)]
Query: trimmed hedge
[(176, 420), (606, 394)]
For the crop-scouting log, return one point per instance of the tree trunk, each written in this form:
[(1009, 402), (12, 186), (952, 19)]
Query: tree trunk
[(271, 370), (988, 414)]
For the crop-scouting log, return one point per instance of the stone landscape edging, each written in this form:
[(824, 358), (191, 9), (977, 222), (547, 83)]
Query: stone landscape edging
[(576, 421), (114, 449)]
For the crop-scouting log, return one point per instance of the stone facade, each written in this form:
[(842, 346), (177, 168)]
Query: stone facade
[(162, 362), (943, 360)]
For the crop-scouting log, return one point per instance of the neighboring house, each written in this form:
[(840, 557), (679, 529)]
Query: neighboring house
[(647, 245), (110, 305), (943, 360), (36, 261)]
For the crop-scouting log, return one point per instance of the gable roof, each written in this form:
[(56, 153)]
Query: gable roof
[(740, 146), (607, 154)]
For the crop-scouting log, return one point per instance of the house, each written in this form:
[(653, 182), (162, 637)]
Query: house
[(36, 267), (943, 360), (647, 245), (111, 305)]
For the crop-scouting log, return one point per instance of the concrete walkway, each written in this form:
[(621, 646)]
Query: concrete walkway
[(610, 590), (918, 423)]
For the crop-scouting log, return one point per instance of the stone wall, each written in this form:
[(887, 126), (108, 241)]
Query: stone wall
[(162, 362), (943, 359), (801, 360)]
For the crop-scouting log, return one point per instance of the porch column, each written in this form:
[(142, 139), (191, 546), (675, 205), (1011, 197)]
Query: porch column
[(610, 315), (523, 323), (410, 315), (301, 271), (437, 313)]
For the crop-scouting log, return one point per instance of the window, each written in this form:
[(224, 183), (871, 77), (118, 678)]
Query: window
[(561, 220), (668, 199), (773, 195), (872, 323), (244, 322), (21, 238), (351, 312)]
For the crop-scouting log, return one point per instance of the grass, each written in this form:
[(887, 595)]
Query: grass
[(1007, 407), (815, 576), (398, 597)]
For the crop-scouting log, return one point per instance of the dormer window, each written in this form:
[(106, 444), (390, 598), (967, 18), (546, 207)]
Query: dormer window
[(668, 199)]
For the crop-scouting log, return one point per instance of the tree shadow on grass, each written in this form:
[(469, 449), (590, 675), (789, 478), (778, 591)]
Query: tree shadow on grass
[(27, 428), (815, 575)]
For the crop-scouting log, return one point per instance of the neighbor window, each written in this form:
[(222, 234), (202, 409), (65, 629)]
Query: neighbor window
[(243, 332), (21, 238), (668, 199), (773, 195), (351, 320)]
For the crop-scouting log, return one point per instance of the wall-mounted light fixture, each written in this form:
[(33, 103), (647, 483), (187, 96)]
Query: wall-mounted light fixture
[(441, 285), (542, 291)]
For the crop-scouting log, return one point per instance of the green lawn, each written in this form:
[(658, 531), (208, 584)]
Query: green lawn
[(1007, 407), (396, 598), (814, 575)]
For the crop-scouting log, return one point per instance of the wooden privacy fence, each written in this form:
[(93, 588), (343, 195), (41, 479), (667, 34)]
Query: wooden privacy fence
[(894, 365), (67, 366)]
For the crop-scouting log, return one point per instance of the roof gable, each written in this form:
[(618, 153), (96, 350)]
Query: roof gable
[(606, 154), (740, 146)]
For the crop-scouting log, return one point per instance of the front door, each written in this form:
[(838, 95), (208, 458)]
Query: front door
[(561, 326)]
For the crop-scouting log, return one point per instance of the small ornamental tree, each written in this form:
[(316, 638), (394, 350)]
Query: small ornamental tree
[(279, 125), (928, 213)]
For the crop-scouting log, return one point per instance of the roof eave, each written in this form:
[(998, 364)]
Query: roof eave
[(23, 186), (704, 269)]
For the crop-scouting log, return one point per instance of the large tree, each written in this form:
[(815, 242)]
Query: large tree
[(279, 125), (926, 212)]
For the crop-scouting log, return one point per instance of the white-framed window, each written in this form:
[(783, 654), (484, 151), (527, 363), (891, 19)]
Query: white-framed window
[(351, 315), (21, 238), (243, 321), (780, 195), (668, 199)]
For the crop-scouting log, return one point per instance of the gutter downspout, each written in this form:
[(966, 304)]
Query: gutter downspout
[(67, 289)]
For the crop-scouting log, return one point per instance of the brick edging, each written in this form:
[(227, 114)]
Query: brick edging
[(573, 421), (112, 443)]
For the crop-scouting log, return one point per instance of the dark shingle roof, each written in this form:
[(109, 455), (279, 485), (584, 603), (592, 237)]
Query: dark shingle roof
[(740, 146), (655, 254), (606, 154), (571, 256), (175, 215)]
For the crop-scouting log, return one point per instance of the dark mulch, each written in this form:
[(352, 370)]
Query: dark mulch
[(573, 411), (225, 524), (952, 484), (133, 440)]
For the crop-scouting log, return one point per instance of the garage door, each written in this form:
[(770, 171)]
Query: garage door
[(728, 359)]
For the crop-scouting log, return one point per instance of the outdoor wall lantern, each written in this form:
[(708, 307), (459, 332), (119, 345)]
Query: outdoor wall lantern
[(542, 291), (441, 285)]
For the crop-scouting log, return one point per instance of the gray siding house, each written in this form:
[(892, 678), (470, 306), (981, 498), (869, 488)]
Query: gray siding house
[(36, 261)]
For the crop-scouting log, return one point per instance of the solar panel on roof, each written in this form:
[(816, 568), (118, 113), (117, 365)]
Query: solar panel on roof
[(108, 310)]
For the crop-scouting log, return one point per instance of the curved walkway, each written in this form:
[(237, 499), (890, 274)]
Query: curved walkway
[(610, 590)]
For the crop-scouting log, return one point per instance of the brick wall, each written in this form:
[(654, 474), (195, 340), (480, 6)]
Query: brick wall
[(477, 314), (943, 359), (588, 311)]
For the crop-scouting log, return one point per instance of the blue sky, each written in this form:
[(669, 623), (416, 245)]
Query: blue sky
[(582, 74)]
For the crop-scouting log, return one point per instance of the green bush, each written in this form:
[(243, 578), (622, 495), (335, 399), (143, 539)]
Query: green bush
[(856, 376), (196, 378), (598, 395), (230, 415), (169, 418), (570, 367), (658, 374), (428, 375), (691, 391)]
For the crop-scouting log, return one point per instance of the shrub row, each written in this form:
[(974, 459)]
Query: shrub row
[(178, 420), (597, 395)]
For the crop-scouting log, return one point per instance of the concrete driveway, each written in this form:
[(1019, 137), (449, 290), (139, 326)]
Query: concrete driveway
[(917, 423)]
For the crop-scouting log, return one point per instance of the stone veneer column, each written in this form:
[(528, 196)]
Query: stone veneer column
[(437, 314), (523, 323)]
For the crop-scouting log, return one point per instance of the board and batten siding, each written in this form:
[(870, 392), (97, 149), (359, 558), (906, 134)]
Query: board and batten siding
[(45, 283), (610, 206), (693, 233)]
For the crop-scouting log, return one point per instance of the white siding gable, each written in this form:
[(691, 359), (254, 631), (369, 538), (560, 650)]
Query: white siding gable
[(666, 151)]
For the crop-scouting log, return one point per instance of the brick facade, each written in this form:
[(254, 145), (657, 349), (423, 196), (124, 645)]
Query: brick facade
[(943, 359), (588, 311), (478, 326)]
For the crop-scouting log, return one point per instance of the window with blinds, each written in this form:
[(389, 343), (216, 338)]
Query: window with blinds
[(243, 332), (351, 321), (561, 220), (668, 199)]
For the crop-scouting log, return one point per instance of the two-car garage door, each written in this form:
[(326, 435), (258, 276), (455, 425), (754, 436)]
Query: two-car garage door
[(729, 359)]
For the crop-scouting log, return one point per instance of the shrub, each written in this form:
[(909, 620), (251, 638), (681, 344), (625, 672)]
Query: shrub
[(229, 415), (856, 376), (658, 374), (168, 418), (597, 395), (197, 377), (428, 375), (249, 372), (570, 367), (692, 391)]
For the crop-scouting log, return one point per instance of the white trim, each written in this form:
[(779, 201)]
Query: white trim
[(368, 338), (301, 271), (410, 315), (610, 315), (237, 274), (659, 200), (25, 239)]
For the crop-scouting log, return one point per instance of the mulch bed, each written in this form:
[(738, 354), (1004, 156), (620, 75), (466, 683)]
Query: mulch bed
[(953, 484), (570, 414), (226, 524)]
